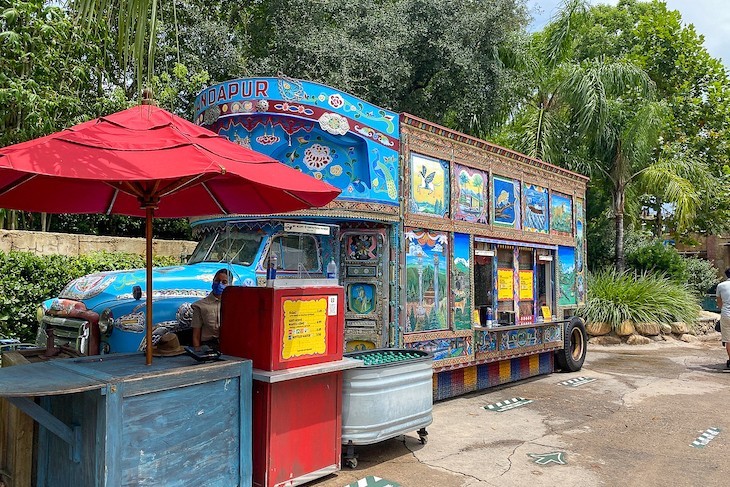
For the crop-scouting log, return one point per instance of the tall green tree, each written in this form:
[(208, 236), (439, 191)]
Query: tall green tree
[(436, 59), (693, 85)]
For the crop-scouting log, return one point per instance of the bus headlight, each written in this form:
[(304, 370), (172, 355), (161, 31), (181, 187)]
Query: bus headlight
[(106, 321)]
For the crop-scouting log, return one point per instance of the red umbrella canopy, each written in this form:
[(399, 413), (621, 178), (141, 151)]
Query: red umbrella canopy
[(113, 163), (144, 161)]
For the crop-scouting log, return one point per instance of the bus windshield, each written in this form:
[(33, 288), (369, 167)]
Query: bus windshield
[(228, 245)]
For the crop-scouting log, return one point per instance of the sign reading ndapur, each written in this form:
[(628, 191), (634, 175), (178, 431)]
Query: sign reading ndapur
[(305, 331)]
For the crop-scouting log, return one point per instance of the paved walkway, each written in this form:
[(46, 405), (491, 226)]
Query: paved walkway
[(644, 415)]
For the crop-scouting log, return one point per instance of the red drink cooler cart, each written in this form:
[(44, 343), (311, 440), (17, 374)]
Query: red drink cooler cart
[(294, 336)]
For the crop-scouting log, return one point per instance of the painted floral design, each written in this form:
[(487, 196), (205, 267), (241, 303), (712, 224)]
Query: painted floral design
[(317, 156), (268, 139), (336, 170), (336, 101), (262, 105), (334, 123)]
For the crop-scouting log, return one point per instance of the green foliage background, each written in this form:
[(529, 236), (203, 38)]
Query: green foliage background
[(614, 297), (27, 279)]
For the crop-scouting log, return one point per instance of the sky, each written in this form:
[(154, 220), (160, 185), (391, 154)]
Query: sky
[(711, 18)]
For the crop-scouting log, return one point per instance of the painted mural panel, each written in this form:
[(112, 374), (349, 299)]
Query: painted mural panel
[(450, 349), (566, 276), (580, 271), (561, 214), (361, 298), (471, 194), (536, 209), (430, 191), (505, 205), (461, 282), (320, 131), (427, 298)]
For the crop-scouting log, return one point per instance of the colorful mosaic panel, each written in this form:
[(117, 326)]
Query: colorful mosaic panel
[(566, 276), (536, 209), (486, 342), (520, 338), (362, 247), (452, 383), (561, 214), (552, 334), (471, 194), (461, 282), (430, 190), (427, 299)]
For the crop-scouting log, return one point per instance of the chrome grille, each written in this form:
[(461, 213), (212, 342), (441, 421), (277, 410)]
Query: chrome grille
[(69, 332)]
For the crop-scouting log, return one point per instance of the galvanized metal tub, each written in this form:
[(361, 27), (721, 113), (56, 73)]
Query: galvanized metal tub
[(384, 400)]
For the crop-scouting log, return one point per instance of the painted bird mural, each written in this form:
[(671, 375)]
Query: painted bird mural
[(427, 180), (502, 199)]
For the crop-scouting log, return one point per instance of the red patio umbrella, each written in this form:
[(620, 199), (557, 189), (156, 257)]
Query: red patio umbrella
[(145, 161)]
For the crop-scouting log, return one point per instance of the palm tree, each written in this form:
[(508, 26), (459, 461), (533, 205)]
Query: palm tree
[(136, 29), (608, 107)]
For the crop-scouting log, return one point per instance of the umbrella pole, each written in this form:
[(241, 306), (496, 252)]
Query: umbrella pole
[(148, 266)]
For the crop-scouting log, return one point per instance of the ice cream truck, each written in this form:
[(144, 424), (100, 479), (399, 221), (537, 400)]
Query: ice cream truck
[(443, 242)]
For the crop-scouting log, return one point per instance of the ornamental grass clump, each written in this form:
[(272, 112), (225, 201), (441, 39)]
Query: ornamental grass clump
[(615, 297)]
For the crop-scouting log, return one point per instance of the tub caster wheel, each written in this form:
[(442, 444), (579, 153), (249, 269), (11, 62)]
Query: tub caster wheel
[(423, 436), (351, 462)]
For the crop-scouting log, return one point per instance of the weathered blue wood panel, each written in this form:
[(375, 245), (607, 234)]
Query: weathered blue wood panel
[(112, 424), (182, 437), (175, 423)]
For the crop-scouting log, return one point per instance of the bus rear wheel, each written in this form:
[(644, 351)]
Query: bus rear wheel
[(573, 354)]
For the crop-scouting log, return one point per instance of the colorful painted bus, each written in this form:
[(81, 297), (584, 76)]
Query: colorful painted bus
[(442, 242), (447, 243)]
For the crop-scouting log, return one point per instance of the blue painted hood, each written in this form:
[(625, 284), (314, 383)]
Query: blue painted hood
[(99, 289)]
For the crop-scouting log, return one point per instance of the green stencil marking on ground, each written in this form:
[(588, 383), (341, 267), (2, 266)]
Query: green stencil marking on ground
[(508, 404), (371, 481), (577, 381), (557, 457), (706, 437)]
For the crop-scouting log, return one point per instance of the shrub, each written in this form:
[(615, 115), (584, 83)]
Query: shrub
[(614, 297), (701, 275), (658, 258), (27, 279)]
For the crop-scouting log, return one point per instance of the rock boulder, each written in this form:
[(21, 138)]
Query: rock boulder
[(638, 340), (679, 328), (598, 328), (626, 328), (647, 329)]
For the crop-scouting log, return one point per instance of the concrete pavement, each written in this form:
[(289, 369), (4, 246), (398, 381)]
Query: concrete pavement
[(633, 425)]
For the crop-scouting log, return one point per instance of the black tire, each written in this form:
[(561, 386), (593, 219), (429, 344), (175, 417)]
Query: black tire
[(573, 354)]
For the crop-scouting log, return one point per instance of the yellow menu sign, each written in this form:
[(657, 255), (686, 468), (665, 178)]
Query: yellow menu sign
[(526, 285), (305, 331), (505, 284)]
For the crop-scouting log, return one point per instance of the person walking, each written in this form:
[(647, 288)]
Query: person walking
[(723, 302)]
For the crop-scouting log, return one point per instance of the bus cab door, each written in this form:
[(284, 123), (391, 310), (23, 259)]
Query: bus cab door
[(363, 268)]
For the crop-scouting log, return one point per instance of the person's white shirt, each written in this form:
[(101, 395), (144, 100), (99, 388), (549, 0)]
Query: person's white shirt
[(723, 292)]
